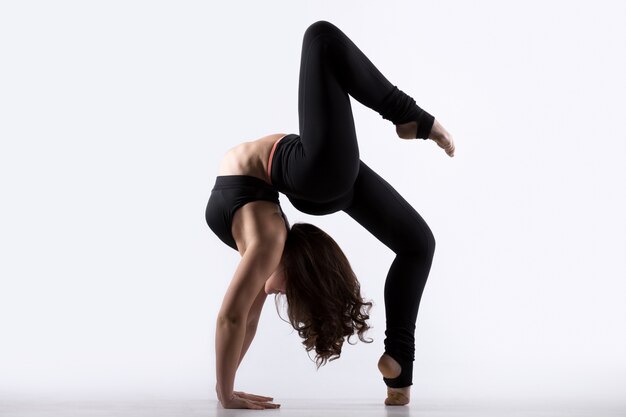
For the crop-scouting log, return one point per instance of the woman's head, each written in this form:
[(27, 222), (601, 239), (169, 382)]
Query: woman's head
[(323, 294)]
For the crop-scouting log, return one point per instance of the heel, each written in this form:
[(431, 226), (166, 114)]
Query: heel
[(424, 122), (405, 378), (399, 108), (389, 367)]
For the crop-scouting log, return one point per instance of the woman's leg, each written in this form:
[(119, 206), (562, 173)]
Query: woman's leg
[(379, 208), (332, 68)]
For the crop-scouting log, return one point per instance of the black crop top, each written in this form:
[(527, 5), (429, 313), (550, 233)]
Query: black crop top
[(229, 194)]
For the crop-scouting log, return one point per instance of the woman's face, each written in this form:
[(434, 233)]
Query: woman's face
[(276, 282)]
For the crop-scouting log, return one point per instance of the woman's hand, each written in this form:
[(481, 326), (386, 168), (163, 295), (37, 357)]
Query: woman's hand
[(241, 399)]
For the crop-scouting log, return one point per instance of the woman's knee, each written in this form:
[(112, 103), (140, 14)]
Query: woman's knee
[(418, 240), (321, 27), (431, 243)]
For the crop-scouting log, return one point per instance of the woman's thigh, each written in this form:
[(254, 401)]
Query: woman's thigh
[(378, 207), (333, 69), (329, 159)]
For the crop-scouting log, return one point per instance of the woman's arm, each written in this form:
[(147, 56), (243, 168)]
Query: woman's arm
[(256, 265), (253, 320)]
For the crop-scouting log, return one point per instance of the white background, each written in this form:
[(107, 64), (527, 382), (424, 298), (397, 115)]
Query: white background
[(114, 116)]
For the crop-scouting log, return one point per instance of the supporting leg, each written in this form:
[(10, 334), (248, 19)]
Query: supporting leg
[(381, 210)]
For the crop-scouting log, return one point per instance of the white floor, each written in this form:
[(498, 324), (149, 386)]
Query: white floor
[(299, 408)]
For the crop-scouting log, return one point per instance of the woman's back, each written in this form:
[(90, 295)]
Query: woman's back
[(249, 158)]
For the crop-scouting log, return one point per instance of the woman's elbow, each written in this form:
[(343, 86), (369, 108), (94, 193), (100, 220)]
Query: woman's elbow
[(230, 319)]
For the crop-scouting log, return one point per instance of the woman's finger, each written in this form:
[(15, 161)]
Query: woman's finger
[(239, 402), (268, 405), (249, 396), (254, 406), (253, 397)]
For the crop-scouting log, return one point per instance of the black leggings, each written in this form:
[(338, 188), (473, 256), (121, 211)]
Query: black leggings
[(329, 176)]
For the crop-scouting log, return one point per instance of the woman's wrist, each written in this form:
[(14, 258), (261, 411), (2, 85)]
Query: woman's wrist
[(221, 398)]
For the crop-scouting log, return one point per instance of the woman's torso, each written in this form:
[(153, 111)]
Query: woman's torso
[(243, 195)]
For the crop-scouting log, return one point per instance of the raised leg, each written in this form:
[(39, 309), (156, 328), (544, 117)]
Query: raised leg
[(332, 68)]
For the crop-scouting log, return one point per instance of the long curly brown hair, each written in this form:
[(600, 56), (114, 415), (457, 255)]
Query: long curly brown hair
[(324, 302)]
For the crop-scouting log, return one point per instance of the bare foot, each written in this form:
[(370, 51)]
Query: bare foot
[(398, 396), (391, 369), (442, 138), (438, 134)]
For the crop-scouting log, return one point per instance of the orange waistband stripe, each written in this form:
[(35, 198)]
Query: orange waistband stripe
[(269, 163)]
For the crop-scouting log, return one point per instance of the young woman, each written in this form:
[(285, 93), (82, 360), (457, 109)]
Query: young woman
[(320, 172)]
